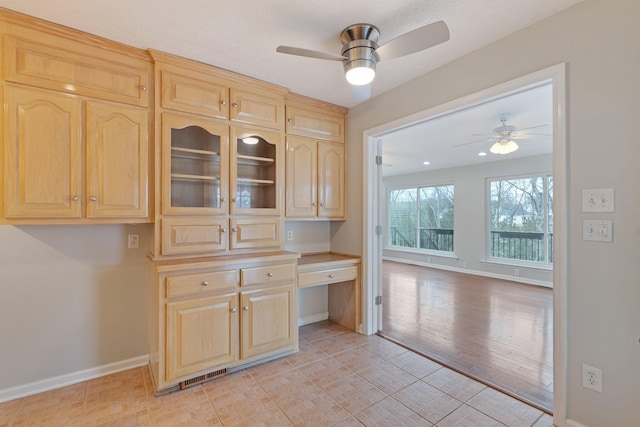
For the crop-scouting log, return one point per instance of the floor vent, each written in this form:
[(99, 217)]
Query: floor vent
[(202, 378)]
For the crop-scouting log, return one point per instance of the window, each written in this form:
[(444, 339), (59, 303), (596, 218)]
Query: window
[(521, 219), (421, 218)]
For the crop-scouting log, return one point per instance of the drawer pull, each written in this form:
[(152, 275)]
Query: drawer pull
[(205, 283), (233, 310), (245, 308), (331, 276), (270, 274)]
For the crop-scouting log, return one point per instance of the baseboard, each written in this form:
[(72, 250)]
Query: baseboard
[(518, 279), (72, 378), (313, 318), (572, 423)]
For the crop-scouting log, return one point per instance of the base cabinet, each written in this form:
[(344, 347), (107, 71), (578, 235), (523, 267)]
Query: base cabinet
[(217, 313)]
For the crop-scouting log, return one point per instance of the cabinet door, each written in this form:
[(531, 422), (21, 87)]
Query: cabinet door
[(193, 92), (117, 161), (257, 171), (256, 233), (193, 235), (324, 125), (301, 176), (201, 334), (268, 320), (42, 154), (331, 183), (195, 158), (257, 108)]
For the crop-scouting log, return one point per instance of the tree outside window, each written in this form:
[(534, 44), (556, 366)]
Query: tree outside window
[(422, 218), (520, 212)]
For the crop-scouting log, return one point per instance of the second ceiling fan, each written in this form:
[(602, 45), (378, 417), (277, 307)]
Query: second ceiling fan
[(360, 51)]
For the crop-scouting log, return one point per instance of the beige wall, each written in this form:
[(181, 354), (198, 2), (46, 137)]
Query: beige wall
[(598, 40), (72, 298)]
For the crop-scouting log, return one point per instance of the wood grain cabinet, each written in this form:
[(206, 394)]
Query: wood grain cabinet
[(315, 160), (76, 127), (315, 182), (47, 177), (213, 315)]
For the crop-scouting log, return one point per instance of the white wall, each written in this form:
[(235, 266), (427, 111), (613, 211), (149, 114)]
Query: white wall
[(598, 41), (72, 298), (469, 215)]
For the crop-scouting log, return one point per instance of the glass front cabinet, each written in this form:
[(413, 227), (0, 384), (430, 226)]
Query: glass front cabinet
[(221, 186)]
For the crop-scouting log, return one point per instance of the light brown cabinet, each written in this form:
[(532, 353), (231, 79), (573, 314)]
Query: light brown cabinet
[(217, 314), (76, 127), (315, 182), (47, 179), (314, 122)]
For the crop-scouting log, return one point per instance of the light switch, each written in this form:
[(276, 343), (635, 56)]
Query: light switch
[(597, 230), (597, 200)]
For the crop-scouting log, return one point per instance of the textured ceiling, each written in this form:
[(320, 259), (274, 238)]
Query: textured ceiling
[(242, 35)]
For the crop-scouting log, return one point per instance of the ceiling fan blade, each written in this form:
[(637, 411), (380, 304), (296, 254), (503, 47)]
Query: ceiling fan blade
[(531, 127), (471, 142), (414, 41), (360, 92), (298, 51)]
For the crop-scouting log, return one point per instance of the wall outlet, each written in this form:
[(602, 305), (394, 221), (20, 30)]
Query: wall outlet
[(516, 271), (290, 235), (133, 241), (592, 378), (429, 259)]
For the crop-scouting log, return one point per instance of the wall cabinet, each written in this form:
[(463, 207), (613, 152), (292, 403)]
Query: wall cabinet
[(221, 313), (76, 128), (46, 175), (314, 179)]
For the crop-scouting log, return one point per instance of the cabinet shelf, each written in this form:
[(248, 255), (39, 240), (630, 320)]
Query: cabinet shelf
[(250, 181), (185, 177), (193, 154), (195, 151), (253, 160)]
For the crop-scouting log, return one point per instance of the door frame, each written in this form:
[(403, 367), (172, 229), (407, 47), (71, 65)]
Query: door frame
[(372, 221)]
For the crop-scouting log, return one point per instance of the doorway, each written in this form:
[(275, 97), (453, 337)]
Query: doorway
[(372, 265)]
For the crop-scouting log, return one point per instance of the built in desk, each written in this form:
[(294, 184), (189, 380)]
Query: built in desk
[(342, 273)]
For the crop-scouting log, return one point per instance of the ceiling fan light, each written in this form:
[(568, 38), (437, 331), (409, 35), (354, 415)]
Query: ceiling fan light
[(504, 146), (360, 72)]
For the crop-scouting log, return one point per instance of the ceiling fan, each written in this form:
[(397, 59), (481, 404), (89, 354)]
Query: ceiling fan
[(360, 51), (505, 136)]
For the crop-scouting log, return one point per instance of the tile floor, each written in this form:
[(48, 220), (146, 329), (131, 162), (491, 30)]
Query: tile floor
[(337, 379)]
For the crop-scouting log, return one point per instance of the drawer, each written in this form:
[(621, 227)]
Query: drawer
[(325, 277), (267, 275), (193, 235), (193, 284), (78, 68)]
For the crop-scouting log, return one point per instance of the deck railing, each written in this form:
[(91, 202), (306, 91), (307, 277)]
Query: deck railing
[(436, 239), (520, 245)]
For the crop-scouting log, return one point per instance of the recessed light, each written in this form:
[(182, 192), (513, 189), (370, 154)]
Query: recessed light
[(482, 154), (426, 163)]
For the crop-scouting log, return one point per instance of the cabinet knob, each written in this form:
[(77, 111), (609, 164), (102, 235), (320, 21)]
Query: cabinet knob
[(331, 276), (205, 283), (289, 120), (223, 199), (233, 310), (235, 230), (270, 274), (233, 200), (143, 88), (235, 104), (74, 198), (322, 205), (93, 198), (223, 230), (313, 204), (223, 102), (245, 308)]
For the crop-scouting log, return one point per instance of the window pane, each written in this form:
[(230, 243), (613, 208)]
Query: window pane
[(436, 218), (402, 217), (517, 219)]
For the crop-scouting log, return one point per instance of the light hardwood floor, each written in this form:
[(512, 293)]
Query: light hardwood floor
[(497, 331)]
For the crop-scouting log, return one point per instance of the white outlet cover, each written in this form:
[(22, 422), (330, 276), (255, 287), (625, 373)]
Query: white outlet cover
[(598, 200)]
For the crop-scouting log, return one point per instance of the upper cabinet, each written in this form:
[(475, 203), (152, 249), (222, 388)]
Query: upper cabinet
[(221, 161), (315, 160), (76, 133)]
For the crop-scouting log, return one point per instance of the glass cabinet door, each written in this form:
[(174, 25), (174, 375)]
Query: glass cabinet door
[(256, 169), (195, 158)]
